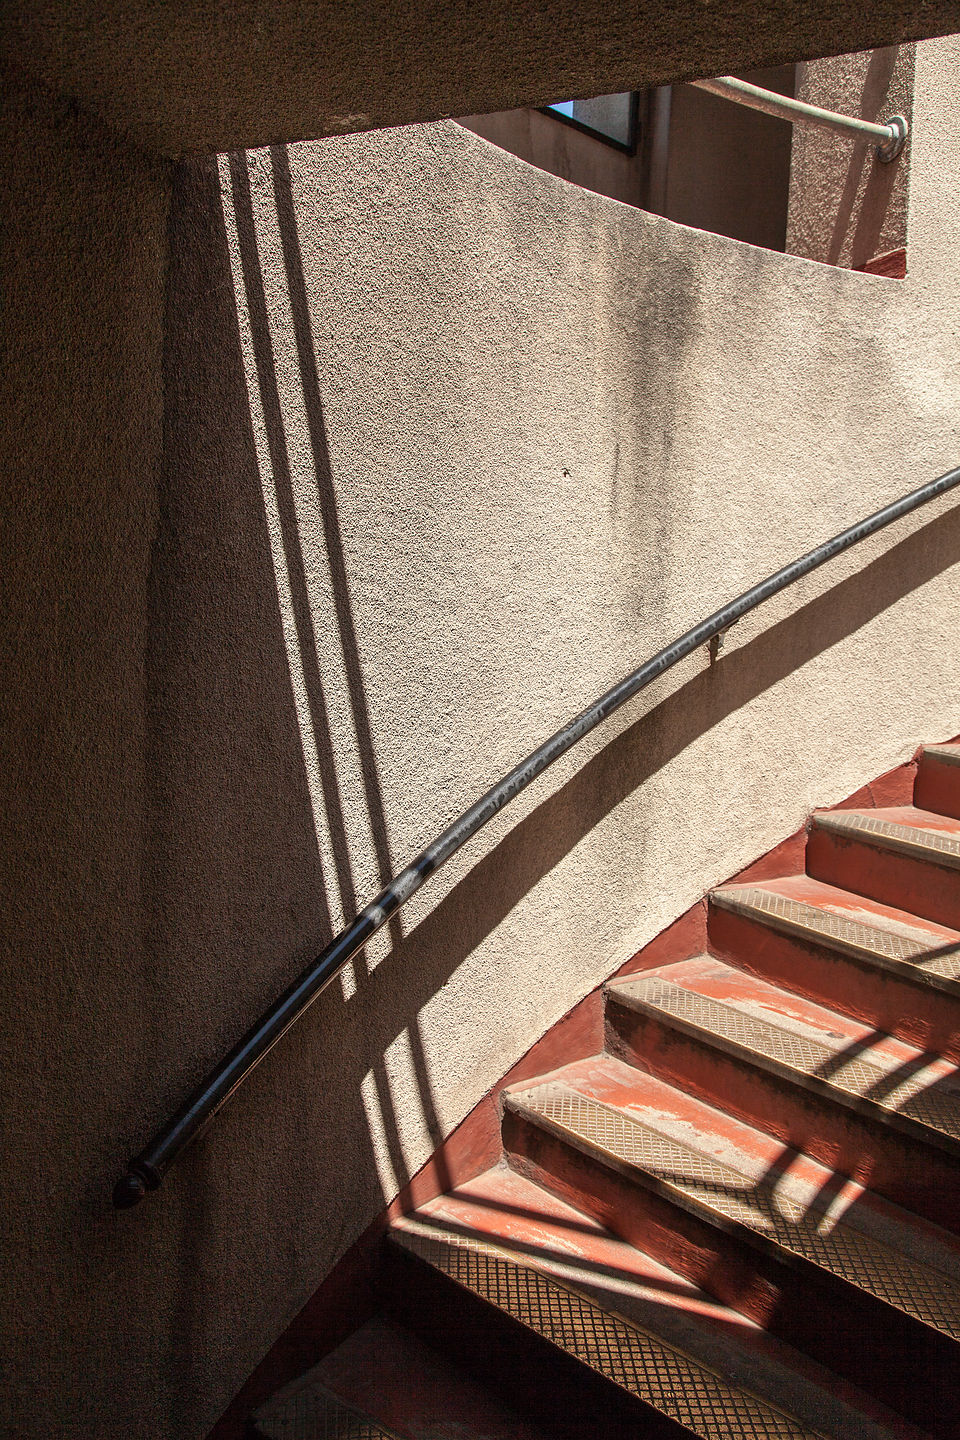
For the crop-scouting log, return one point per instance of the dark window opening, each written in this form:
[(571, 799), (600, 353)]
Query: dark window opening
[(610, 118)]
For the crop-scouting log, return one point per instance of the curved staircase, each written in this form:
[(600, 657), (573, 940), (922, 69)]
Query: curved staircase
[(741, 1218)]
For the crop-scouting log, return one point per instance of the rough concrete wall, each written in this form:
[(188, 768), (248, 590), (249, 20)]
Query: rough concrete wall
[(449, 447), (846, 206), (84, 229), (727, 167), (198, 76), (548, 143)]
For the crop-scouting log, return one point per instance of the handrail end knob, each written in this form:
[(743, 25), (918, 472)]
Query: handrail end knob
[(128, 1191)]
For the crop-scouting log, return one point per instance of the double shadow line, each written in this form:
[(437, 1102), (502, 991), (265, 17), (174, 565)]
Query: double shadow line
[(333, 539), (307, 640)]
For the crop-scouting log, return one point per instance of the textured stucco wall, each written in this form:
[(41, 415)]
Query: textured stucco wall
[(203, 76), (846, 206), (448, 446), (84, 239), (544, 141)]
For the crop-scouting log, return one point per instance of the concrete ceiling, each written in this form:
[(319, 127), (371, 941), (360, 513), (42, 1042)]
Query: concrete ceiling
[(214, 75)]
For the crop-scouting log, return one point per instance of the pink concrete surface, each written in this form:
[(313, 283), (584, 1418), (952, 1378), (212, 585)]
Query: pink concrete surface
[(885, 999), (938, 783), (712, 977), (903, 1168), (536, 1227), (892, 264), (759, 1157), (862, 1339), (922, 819), (858, 907)]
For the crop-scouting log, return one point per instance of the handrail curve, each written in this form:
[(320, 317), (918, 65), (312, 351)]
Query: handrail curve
[(889, 138), (147, 1169)]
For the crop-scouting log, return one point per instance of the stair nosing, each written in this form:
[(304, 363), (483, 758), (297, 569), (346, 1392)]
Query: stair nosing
[(727, 899), (659, 1187), (663, 1188), (950, 754), (817, 1084), (897, 838), (716, 1219)]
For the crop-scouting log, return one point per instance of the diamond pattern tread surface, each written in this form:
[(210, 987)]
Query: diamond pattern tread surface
[(859, 1075), (907, 946), (922, 842), (311, 1413), (717, 1189), (630, 1357)]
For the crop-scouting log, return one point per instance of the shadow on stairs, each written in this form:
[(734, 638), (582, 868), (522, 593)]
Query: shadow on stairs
[(739, 1217)]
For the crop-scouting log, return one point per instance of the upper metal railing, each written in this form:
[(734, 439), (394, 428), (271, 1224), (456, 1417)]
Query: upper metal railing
[(147, 1169), (889, 137)]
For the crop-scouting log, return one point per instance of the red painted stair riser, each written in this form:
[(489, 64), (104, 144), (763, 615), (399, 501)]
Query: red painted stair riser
[(904, 1170), (915, 885)]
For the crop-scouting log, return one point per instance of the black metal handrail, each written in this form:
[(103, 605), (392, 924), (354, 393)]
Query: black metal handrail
[(147, 1169)]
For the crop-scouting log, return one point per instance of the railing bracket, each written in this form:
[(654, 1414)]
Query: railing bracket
[(716, 642)]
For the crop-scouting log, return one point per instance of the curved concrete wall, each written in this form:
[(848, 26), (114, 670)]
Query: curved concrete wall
[(449, 446)]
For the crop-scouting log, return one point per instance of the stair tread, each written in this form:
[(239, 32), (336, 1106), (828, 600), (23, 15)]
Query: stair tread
[(310, 1412), (949, 753), (756, 1155), (608, 1304), (385, 1371), (828, 1229), (905, 829), (841, 920), (762, 1021)]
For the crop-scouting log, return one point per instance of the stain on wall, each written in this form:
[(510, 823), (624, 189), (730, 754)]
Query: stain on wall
[(340, 476)]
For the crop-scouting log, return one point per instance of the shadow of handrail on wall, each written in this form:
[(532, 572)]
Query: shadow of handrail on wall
[(500, 879)]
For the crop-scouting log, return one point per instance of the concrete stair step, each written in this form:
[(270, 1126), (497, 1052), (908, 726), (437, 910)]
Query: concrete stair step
[(895, 970), (937, 785), (769, 1231), (739, 1222), (900, 855), (307, 1411), (862, 1102), (904, 829), (766, 1208), (643, 1329), (384, 1371), (817, 1047)]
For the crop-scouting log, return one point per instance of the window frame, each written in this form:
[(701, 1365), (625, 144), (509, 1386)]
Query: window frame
[(630, 148)]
